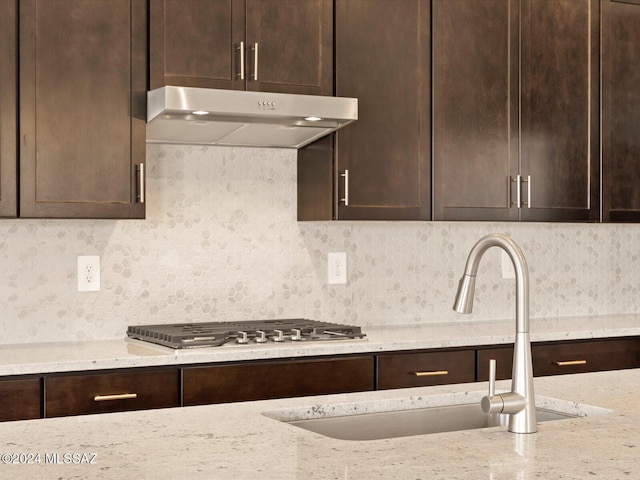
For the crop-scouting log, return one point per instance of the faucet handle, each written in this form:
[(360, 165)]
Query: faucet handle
[(492, 403), (492, 377)]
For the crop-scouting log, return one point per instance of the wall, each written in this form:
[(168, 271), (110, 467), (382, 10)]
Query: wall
[(221, 242)]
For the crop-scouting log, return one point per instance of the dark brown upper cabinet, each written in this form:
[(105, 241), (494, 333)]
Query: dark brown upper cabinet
[(381, 165), (620, 111), (83, 85), (282, 46), (475, 102), (516, 110), (8, 114), (560, 109)]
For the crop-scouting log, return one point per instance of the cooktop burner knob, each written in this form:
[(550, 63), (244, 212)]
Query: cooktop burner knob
[(261, 337), (242, 338), (278, 336), (296, 334)]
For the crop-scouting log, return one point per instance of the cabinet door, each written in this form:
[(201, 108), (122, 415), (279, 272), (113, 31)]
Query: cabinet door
[(8, 93), (400, 370), (294, 46), (560, 120), (383, 59), (260, 381), (475, 109), (20, 399), (196, 43), (620, 110), (111, 392), (82, 108)]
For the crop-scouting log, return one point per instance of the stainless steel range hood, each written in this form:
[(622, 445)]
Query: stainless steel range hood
[(202, 116)]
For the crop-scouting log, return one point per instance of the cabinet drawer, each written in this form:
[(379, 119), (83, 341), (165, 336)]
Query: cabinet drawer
[(423, 369), (111, 392), (20, 399), (504, 362), (259, 381), (566, 357), (586, 356)]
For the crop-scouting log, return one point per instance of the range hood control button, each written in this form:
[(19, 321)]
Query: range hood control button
[(278, 336), (296, 334), (242, 338), (261, 337)]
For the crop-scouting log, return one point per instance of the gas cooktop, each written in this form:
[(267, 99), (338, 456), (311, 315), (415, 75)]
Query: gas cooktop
[(214, 334)]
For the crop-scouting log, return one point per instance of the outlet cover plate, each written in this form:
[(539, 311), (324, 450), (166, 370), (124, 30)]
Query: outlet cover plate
[(88, 273), (507, 266), (337, 268)]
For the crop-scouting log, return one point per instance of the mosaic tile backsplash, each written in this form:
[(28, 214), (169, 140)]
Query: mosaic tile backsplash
[(221, 242)]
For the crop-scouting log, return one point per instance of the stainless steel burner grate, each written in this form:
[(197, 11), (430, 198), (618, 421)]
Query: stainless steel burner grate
[(213, 334)]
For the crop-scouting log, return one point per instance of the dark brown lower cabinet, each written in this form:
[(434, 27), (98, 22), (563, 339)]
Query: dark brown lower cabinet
[(588, 356), (263, 380), (503, 355), (58, 395), (558, 358), (20, 399), (399, 370), (80, 394)]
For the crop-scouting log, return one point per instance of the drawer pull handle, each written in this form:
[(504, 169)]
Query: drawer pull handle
[(434, 373), (119, 396), (570, 362)]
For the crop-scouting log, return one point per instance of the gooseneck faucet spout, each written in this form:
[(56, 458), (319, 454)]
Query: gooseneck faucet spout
[(520, 402)]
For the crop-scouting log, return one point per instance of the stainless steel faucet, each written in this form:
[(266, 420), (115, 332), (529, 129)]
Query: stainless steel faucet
[(519, 403)]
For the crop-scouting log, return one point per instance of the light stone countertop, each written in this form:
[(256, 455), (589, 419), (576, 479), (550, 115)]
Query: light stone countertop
[(39, 358), (238, 442)]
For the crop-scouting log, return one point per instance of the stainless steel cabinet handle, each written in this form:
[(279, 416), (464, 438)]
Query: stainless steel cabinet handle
[(241, 48), (519, 180), (516, 180), (140, 171), (118, 396), (346, 188), (528, 182), (568, 363), (434, 373), (255, 61)]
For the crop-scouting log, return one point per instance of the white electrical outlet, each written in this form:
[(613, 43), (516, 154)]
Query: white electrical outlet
[(88, 273), (337, 268), (507, 266)]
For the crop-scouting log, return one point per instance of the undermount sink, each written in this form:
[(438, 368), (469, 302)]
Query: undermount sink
[(403, 423), (360, 421)]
